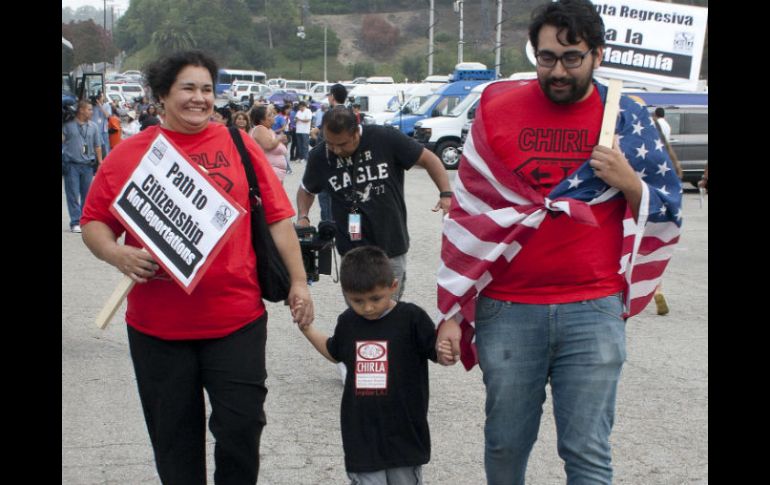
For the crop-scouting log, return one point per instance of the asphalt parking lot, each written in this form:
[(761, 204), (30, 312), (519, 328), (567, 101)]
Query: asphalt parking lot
[(661, 428)]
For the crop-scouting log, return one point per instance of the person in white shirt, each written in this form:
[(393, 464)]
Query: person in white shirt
[(303, 119), (665, 128), (132, 126)]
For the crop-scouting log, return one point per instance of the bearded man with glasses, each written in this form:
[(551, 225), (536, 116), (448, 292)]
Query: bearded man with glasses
[(551, 243)]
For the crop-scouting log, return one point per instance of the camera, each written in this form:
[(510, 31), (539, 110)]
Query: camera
[(68, 110), (317, 246)]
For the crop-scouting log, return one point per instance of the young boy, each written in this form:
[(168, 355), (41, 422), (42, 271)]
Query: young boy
[(385, 346)]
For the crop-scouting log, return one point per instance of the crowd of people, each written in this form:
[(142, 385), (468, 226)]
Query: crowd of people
[(535, 282)]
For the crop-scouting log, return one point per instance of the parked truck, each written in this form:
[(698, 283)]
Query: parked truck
[(465, 77)]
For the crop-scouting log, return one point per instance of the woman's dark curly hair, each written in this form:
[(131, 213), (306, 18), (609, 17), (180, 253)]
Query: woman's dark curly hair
[(161, 73)]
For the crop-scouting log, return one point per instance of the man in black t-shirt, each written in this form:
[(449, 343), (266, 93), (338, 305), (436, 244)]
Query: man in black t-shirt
[(362, 168)]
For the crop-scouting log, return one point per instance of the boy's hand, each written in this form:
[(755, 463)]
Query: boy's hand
[(444, 352), (448, 343), (301, 305)]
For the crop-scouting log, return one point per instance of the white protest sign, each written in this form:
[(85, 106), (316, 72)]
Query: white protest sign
[(654, 43), (177, 212)]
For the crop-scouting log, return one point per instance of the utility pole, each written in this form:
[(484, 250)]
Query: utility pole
[(458, 7), (301, 35), (498, 35), (104, 68), (326, 80), (430, 37)]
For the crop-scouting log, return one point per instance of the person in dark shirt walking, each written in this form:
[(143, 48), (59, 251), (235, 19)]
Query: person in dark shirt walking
[(386, 346)]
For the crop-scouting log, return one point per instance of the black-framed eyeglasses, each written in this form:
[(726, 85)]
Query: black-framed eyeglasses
[(570, 60)]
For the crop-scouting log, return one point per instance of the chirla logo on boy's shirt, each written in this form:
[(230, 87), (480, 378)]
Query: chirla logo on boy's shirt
[(371, 367)]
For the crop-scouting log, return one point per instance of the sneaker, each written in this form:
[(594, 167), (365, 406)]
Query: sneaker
[(76, 229), (660, 303)]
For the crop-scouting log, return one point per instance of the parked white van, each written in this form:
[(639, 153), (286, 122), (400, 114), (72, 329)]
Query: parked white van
[(414, 96), (374, 98), (443, 134), (319, 91), (241, 92), (128, 90)]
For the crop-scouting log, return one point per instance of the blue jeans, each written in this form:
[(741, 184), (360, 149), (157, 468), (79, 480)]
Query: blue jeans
[(325, 200), (580, 348), (77, 181), (303, 139), (105, 144)]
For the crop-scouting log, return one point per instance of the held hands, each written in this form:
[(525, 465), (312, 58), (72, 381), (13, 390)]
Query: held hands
[(448, 343), (301, 305)]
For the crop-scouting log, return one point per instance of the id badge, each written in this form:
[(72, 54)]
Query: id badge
[(85, 149), (354, 227)]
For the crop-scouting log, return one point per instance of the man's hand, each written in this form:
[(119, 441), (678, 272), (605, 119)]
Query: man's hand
[(444, 203), (448, 342), (611, 166)]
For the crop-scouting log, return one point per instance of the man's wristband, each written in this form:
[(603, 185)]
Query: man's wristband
[(448, 193)]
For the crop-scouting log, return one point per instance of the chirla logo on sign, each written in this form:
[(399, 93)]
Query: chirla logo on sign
[(178, 214)]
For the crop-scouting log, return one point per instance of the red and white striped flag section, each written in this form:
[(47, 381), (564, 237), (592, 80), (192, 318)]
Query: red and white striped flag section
[(494, 212)]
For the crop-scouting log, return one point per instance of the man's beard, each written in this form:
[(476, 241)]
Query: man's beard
[(576, 91)]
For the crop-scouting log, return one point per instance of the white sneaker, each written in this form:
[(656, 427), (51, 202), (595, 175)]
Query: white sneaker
[(343, 371), (76, 229)]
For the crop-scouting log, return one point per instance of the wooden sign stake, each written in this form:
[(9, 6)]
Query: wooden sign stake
[(611, 109), (114, 301)]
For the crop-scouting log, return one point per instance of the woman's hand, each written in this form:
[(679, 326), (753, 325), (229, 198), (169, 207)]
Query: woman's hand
[(134, 262), (301, 305)]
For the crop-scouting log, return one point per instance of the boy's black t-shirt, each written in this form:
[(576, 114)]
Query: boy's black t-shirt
[(373, 177), (384, 412)]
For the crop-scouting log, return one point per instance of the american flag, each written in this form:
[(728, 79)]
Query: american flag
[(494, 212)]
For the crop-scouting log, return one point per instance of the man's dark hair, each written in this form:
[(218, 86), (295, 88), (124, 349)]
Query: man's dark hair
[(161, 74), (578, 18), (364, 269), (339, 92), (660, 112), (340, 119)]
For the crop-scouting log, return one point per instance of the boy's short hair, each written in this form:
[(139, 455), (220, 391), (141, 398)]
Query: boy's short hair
[(364, 269)]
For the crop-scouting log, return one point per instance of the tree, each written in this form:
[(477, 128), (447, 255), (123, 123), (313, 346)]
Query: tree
[(313, 45), (413, 68), (173, 36), (378, 36), (362, 69), (91, 42)]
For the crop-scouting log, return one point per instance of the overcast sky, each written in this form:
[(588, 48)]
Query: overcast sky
[(74, 4)]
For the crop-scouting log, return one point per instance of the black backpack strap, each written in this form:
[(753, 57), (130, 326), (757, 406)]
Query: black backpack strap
[(246, 160)]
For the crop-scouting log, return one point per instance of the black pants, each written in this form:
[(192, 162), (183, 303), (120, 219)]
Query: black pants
[(171, 376), (293, 149)]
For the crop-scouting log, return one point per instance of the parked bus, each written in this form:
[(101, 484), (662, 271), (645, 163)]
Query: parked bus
[(225, 77)]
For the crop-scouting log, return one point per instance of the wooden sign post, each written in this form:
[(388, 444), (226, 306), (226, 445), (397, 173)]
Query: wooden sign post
[(611, 107)]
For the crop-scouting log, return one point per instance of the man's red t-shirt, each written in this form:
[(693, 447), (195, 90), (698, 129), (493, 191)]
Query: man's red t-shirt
[(228, 295), (564, 261)]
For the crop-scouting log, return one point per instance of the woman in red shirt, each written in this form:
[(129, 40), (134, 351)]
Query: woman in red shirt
[(213, 338)]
